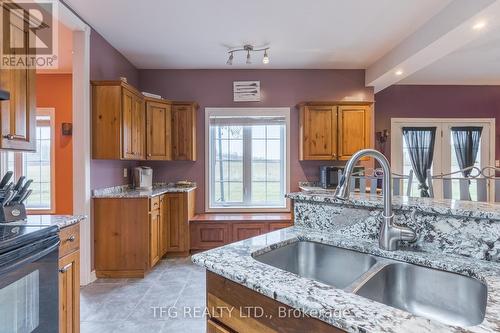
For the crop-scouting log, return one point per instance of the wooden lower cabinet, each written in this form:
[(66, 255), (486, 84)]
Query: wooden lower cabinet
[(132, 234), (69, 281), (154, 237), (270, 316), (179, 208), (245, 230), (209, 231), (208, 235)]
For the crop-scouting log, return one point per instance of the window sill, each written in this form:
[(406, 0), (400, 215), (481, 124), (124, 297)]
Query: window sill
[(247, 210)]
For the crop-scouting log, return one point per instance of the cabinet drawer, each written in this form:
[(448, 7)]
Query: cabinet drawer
[(70, 239), (154, 203)]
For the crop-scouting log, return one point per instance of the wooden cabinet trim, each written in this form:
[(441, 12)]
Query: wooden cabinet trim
[(70, 239), (222, 292)]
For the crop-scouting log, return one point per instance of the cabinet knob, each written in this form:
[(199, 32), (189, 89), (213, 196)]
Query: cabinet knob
[(9, 137), (71, 239)]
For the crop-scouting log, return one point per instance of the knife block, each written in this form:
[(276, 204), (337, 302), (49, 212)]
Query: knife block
[(11, 213)]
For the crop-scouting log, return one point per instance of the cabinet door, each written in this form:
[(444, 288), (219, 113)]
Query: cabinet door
[(139, 129), (177, 224), (183, 132), (247, 230), (354, 130), (214, 327), (127, 124), (69, 293), (318, 133), (159, 131), (163, 226), (133, 126), (279, 225), (154, 238), (18, 115), (208, 235)]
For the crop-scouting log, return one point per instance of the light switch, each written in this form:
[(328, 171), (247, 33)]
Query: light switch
[(125, 173), (497, 163)]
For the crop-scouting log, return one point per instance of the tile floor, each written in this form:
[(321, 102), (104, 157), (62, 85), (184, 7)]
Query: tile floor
[(170, 298)]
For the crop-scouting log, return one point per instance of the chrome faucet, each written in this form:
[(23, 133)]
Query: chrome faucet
[(390, 233)]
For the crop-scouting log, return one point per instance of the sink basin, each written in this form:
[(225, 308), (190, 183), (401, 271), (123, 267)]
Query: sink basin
[(447, 297), (328, 264)]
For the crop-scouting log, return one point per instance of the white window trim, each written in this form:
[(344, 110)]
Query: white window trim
[(397, 137), (281, 112)]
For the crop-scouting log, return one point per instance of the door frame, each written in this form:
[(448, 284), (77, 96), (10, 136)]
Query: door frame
[(397, 136), (81, 134)]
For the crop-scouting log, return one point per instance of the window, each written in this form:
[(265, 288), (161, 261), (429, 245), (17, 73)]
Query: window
[(247, 159), (38, 166), (445, 159)]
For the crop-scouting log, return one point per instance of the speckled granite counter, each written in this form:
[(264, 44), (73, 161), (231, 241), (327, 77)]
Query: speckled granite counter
[(466, 243), (125, 191), (46, 220), (424, 205)]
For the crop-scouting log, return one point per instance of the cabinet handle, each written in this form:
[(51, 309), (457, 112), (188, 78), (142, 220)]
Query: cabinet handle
[(65, 268), (71, 239), (13, 136)]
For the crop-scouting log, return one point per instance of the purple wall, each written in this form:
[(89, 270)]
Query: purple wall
[(279, 88), (106, 63), (414, 101)]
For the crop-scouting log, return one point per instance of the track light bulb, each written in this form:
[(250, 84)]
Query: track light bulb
[(265, 60), (249, 61), (230, 60)]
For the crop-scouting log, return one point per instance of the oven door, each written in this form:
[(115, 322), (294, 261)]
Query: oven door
[(29, 288)]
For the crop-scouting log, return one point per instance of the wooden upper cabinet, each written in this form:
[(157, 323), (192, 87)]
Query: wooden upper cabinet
[(159, 130), (18, 115), (318, 130), (184, 131), (334, 130), (354, 124), (118, 121)]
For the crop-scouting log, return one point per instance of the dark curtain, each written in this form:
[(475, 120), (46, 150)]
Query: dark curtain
[(420, 142), (466, 143)]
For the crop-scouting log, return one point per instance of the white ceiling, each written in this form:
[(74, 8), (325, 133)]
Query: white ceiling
[(302, 33), (477, 63)]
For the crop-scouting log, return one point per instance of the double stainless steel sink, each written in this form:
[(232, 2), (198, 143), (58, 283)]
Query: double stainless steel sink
[(447, 297)]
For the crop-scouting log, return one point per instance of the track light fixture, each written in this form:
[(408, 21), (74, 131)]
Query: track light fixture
[(230, 60), (248, 49)]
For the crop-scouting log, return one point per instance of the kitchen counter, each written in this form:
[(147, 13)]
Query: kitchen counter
[(126, 192), (61, 221), (321, 218)]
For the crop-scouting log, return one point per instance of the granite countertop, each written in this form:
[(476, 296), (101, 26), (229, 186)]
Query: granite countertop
[(458, 208), (126, 192), (47, 220), (235, 262)]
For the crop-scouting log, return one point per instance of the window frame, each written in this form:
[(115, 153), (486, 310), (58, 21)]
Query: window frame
[(242, 112), (18, 163)]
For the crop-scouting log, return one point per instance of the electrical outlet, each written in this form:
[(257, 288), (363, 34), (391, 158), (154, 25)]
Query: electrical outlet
[(125, 172), (497, 163)]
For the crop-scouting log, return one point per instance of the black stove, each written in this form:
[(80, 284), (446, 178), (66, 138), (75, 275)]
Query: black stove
[(29, 278)]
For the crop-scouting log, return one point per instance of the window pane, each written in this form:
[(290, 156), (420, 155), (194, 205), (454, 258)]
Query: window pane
[(273, 192), (236, 171), (236, 149), (274, 132), (258, 149), (273, 150), (235, 192), (235, 132), (258, 171), (258, 132), (258, 192), (221, 192), (273, 171), (221, 149), (44, 133)]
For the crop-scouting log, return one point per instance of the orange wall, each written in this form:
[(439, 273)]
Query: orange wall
[(55, 91)]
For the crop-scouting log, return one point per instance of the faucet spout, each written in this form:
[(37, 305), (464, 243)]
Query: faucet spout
[(390, 234)]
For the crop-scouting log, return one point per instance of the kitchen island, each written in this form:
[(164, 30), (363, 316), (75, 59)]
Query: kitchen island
[(458, 237)]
